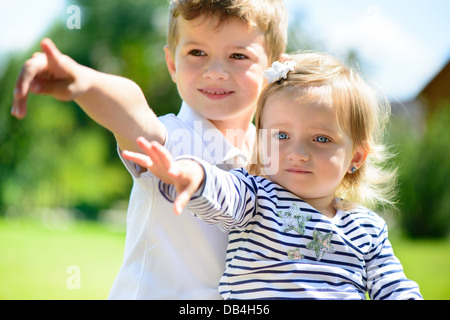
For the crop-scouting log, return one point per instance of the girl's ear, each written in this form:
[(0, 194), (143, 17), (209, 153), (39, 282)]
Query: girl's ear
[(170, 62), (358, 159)]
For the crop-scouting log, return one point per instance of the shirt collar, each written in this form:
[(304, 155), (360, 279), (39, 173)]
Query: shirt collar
[(230, 156)]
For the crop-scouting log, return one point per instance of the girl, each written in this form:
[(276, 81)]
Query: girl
[(298, 223)]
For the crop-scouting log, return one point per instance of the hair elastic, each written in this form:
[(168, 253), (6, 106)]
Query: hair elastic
[(279, 71)]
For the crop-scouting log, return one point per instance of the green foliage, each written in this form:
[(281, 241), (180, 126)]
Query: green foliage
[(57, 156), (125, 38), (423, 158)]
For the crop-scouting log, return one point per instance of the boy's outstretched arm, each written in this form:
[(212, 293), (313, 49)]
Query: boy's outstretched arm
[(116, 103), (186, 175)]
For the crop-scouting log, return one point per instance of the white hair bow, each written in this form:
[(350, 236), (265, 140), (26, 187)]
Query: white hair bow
[(278, 71)]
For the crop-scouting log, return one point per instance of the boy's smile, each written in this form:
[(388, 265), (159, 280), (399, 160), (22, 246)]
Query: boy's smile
[(215, 93), (218, 69)]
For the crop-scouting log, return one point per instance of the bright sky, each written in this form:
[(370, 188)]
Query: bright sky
[(22, 22), (402, 43)]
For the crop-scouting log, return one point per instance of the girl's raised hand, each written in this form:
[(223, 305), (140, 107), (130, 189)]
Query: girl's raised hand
[(186, 175)]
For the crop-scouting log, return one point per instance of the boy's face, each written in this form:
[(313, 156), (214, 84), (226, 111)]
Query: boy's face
[(314, 152), (219, 70)]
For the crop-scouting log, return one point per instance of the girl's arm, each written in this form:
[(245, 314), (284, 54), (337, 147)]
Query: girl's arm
[(116, 103), (186, 176), (385, 277), (214, 195)]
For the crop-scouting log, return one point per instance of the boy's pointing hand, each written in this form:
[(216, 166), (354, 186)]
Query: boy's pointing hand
[(48, 72)]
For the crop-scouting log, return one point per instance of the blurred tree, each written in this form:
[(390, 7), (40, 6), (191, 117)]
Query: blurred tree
[(423, 157), (57, 156)]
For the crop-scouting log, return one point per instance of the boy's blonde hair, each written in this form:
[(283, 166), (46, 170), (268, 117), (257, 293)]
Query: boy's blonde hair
[(320, 77), (269, 16)]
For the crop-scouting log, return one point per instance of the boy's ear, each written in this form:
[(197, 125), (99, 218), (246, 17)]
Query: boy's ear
[(359, 157), (170, 62), (284, 57)]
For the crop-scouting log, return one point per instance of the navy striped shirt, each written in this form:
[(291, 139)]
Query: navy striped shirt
[(282, 248)]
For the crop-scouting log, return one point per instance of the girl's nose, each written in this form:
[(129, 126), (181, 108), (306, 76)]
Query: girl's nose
[(216, 70), (298, 153)]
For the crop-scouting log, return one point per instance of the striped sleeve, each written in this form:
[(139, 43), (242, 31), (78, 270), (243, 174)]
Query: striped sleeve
[(224, 199), (385, 277)]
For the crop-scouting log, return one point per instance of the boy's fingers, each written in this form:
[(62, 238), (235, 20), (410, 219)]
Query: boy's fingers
[(31, 68), (28, 73), (19, 108), (53, 55), (58, 88), (50, 49)]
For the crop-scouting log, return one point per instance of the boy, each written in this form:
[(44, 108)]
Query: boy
[(217, 52)]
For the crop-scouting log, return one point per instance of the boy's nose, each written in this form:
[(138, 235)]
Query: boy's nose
[(216, 70)]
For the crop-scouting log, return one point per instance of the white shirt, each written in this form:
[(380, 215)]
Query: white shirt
[(168, 256), (282, 248)]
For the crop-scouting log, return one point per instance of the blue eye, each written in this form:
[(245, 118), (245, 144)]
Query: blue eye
[(281, 136), (322, 139)]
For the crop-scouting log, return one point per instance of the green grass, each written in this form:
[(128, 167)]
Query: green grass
[(428, 263), (34, 261)]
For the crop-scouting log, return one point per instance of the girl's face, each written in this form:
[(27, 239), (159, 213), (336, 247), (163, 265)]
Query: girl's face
[(310, 152)]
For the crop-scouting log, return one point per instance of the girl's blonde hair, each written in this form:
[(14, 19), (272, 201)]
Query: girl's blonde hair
[(269, 16), (359, 112)]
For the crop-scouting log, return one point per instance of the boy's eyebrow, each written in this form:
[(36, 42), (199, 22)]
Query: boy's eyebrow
[(191, 43), (197, 43)]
